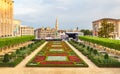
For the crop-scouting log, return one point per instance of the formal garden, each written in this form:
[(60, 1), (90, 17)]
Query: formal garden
[(56, 54), (99, 59), (14, 58)]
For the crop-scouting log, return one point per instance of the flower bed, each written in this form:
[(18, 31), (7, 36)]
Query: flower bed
[(74, 59), (39, 58), (58, 56), (58, 62)]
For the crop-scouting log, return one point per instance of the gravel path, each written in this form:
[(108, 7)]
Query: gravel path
[(92, 69)]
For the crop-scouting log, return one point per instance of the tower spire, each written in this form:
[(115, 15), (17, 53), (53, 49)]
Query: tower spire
[(56, 26)]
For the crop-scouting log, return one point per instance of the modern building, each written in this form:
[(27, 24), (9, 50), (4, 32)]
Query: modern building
[(47, 33), (97, 24), (25, 30), (6, 18), (16, 27)]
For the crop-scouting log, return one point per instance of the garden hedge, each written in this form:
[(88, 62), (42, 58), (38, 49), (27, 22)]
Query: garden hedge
[(4, 42), (110, 43)]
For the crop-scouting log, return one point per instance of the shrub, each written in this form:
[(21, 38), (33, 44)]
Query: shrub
[(17, 51), (95, 52), (106, 56), (83, 46), (88, 48), (6, 58), (6, 42), (110, 43)]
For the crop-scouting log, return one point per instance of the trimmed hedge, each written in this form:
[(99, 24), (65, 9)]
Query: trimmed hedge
[(110, 43), (4, 42)]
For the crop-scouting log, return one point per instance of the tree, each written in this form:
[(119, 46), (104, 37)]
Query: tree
[(106, 56), (106, 29), (6, 58), (17, 51), (86, 32), (95, 52)]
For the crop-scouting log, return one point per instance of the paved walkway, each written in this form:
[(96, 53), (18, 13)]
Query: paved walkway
[(92, 69)]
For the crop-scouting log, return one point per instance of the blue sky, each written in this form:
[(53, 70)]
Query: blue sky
[(70, 13)]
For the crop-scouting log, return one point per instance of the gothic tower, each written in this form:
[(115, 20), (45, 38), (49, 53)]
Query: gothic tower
[(56, 25)]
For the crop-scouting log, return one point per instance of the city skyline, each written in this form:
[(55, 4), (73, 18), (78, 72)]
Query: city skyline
[(81, 13)]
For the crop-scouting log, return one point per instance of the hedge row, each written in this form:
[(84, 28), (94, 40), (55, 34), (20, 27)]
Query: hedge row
[(4, 42), (110, 43)]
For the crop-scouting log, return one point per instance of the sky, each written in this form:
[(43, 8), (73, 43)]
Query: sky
[(70, 13)]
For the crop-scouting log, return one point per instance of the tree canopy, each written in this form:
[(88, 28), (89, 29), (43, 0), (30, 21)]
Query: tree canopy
[(86, 32), (106, 29)]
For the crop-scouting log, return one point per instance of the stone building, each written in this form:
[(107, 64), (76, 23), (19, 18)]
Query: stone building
[(97, 24), (6, 18), (25, 30), (16, 27), (47, 33)]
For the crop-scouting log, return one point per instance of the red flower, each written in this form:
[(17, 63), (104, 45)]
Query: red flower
[(56, 62), (39, 58), (74, 58)]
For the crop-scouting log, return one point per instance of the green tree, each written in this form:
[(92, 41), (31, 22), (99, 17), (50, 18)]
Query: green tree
[(95, 52), (17, 51), (86, 32), (6, 58), (106, 56), (106, 29)]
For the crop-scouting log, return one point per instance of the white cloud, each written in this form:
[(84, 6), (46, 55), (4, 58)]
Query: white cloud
[(79, 12)]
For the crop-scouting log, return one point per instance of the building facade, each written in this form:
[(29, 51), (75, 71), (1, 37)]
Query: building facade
[(25, 30), (47, 33), (97, 24), (6, 18), (16, 27)]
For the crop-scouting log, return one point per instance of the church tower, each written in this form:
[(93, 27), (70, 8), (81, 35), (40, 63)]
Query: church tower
[(56, 25)]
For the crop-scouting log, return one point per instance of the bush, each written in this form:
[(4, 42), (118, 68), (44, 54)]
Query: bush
[(106, 56), (6, 42), (110, 43), (95, 52), (17, 51), (6, 58)]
